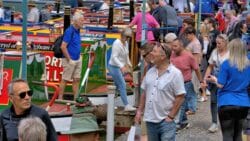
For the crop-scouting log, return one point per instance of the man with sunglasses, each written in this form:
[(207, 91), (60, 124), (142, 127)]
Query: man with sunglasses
[(145, 51), (163, 94), (20, 96)]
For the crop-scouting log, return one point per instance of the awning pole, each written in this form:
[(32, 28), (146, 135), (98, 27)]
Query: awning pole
[(144, 24), (24, 40), (199, 16), (111, 15)]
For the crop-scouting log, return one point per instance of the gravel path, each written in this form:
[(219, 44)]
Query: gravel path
[(199, 123)]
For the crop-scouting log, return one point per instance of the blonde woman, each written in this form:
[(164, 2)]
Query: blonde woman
[(233, 98), (218, 56), (119, 65)]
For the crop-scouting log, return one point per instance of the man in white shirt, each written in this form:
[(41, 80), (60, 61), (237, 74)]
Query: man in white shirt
[(33, 15), (163, 94)]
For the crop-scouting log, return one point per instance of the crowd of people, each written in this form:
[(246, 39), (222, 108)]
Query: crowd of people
[(180, 70), (212, 61)]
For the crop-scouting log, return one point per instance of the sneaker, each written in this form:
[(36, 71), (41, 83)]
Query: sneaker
[(181, 127), (208, 92), (213, 128), (129, 108)]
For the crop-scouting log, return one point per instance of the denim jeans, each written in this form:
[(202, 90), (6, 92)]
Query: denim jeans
[(182, 116), (191, 97), (120, 83), (162, 131)]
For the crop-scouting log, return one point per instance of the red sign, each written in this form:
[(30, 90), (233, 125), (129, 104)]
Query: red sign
[(7, 77), (53, 67)]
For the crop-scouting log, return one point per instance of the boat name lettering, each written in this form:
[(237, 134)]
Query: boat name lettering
[(8, 45), (42, 47)]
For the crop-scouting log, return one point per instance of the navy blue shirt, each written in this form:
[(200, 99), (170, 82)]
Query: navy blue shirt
[(73, 38), (235, 83)]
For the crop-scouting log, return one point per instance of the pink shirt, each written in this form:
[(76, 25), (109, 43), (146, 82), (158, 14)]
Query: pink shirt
[(151, 23), (186, 63)]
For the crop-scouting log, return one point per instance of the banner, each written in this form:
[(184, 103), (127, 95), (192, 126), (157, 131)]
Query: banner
[(1, 72), (53, 67), (7, 77)]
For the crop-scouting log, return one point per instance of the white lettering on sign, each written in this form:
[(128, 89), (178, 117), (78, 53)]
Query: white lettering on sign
[(55, 76), (55, 62), (42, 47), (8, 45), (53, 68)]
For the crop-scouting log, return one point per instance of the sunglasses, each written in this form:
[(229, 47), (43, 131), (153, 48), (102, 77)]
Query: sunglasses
[(162, 47), (22, 95)]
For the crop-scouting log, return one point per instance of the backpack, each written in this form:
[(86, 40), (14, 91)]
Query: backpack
[(57, 46)]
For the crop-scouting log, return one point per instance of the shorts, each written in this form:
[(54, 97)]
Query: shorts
[(71, 71)]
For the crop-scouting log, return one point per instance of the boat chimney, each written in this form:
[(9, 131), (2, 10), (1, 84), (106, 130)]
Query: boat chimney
[(132, 10), (57, 6), (67, 12)]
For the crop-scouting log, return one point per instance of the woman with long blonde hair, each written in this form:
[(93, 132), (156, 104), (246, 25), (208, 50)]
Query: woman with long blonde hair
[(217, 57), (233, 98)]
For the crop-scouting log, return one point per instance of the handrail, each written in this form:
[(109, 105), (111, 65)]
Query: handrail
[(55, 94)]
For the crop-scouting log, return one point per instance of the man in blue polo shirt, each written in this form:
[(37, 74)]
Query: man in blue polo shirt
[(72, 61)]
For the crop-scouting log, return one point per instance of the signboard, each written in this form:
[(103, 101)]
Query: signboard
[(53, 67), (7, 77), (1, 71)]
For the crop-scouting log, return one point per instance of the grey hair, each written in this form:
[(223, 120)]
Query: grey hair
[(11, 84), (77, 16), (32, 129), (170, 37)]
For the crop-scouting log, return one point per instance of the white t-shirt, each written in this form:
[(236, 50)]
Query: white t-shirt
[(217, 60), (1, 13), (33, 15), (104, 6), (120, 54)]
